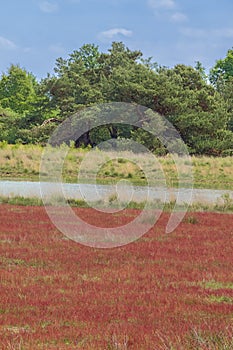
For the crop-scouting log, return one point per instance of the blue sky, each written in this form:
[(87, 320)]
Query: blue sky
[(33, 33)]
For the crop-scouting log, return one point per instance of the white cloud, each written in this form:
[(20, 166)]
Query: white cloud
[(179, 17), (111, 33), (6, 43), (161, 4), (48, 7)]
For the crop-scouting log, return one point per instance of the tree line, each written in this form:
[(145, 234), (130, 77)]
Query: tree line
[(200, 106)]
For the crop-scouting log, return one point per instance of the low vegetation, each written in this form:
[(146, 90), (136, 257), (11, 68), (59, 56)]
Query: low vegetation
[(23, 162), (223, 205), (164, 291)]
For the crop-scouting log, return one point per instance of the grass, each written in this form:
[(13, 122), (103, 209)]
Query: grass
[(207, 341), (197, 340), (23, 162), (215, 285), (224, 206)]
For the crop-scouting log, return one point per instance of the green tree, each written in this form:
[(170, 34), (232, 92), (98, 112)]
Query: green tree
[(181, 94), (17, 90), (194, 107), (25, 106), (8, 125), (222, 70), (221, 76), (199, 67), (226, 92), (88, 77)]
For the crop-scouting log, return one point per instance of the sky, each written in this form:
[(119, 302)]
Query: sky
[(34, 33)]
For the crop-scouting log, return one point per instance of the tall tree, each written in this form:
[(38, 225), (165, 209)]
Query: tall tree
[(221, 76), (194, 107), (17, 90), (222, 70), (182, 94)]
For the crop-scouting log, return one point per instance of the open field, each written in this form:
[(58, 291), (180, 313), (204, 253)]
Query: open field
[(23, 162), (161, 292)]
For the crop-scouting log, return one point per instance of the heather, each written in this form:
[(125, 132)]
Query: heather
[(164, 291)]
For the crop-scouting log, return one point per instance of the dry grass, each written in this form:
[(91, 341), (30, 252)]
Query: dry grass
[(23, 162)]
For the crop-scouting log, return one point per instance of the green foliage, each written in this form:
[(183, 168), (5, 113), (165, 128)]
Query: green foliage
[(226, 91), (202, 113), (8, 125), (196, 110), (17, 90), (221, 76), (199, 67), (223, 69)]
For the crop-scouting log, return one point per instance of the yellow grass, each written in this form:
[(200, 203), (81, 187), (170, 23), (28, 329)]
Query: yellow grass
[(23, 162)]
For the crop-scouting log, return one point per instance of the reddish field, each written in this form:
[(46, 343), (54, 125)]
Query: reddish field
[(160, 290)]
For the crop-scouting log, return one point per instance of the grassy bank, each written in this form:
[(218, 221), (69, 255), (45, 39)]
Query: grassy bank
[(223, 205), (23, 163)]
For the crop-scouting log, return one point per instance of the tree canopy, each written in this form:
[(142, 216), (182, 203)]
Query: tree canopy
[(223, 69), (199, 106)]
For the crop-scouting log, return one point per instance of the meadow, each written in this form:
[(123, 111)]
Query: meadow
[(22, 162)]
